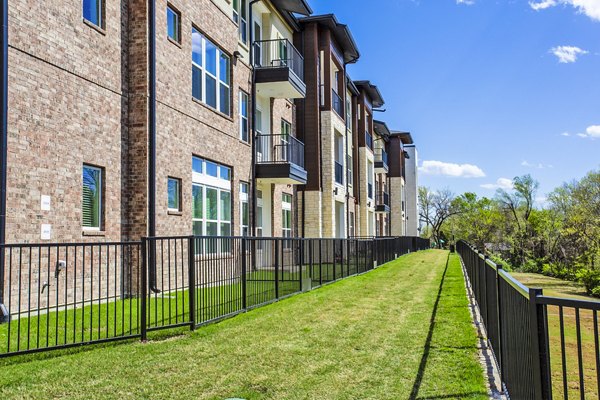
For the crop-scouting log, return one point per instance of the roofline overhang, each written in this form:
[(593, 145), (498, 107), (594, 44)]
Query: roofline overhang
[(382, 129), (372, 91), (341, 32), (405, 137)]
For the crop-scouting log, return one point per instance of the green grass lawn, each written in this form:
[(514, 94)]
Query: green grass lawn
[(561, 288), (402, 331)]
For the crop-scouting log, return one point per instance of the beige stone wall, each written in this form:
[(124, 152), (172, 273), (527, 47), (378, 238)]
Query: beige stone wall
[(312, 213), (367, 205), (396, 215)]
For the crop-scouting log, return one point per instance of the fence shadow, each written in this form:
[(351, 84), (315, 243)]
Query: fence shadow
[(423, 364)]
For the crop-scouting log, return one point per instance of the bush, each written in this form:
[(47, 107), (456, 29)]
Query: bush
[(531, 266), (559, 271), (499, 260), (590, 279)]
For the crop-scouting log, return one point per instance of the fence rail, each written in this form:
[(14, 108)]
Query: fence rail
[(64, 295), (544, 346)]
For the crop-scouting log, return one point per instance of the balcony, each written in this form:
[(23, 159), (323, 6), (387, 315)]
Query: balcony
[(279, 69), (339, 173), (337, 104), (382, 202), (280, 160), (381, 161)]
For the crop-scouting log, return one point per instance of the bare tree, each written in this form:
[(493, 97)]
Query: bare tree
[(435, 207)]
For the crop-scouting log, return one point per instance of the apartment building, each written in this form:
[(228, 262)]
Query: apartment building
[(212, 117), (127, 120)]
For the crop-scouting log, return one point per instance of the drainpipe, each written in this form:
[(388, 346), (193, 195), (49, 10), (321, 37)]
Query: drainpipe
[(347, 150), (253, 100), (3, 149), (152, 118)]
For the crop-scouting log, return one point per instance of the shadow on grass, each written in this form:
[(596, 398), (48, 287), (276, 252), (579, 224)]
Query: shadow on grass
[(428, 347)]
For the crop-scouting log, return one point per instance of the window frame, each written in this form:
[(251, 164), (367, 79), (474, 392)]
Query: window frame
[(244, 199), (101, 196), (100, 9), (219, 80), (206, 182), (244, 119), (286, 207), (177, 13), (178, 182)]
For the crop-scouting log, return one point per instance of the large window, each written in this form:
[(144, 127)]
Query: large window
[(210, 73), (173, 24), (244, 209), (93, 11), (350, 170), (243, 108), (286, 215), (174, 194), (211, 200), (286, 132), (91, 205)]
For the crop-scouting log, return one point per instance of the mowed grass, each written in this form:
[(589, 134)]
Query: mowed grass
[(401, 331), (560, 288)]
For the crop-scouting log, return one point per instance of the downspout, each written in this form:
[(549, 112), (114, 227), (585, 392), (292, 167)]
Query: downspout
[(253, 100), (346, 160), (152, 118), (4, 317)]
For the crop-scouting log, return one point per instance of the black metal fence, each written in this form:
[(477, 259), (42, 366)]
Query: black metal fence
[(544, 346), (64, 295)]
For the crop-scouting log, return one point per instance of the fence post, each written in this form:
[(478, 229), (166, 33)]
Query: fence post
[(499, 314), (539, 346), (144, 291), (192, 280), (244, 271), (277, 268), (334, 260), (372, 254), (301, 271), (320, 262)]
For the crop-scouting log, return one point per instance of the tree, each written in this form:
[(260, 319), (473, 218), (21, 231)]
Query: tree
[(435, 208)]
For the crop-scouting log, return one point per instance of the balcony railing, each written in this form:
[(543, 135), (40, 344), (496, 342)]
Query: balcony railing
[(369, 140), (337, 103), (279, 149), (383, 199), (278, 53), (381, 156), (339, 173)]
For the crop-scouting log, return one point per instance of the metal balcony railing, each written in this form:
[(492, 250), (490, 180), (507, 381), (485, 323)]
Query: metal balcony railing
[(337, 103), (339, 173), (278, 149), (278, 53), (383, 199), (381, 156)]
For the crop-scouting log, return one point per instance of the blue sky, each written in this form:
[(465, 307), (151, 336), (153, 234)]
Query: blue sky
[(497, 85)]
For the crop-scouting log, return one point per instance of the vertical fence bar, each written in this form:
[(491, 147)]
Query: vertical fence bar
[(192, 280), (277, 268), (143, 291), (244, 268)]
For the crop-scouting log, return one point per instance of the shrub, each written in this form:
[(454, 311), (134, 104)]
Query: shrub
[(559, 271), (531, 266), (590, 279)]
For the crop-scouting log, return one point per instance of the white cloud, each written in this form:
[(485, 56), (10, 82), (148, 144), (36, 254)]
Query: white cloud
[(591, 8), (567, 54), (592, 132), (527, 164), (450, 169), (542, 5), (567, 134), (466, 2), (501, 183)]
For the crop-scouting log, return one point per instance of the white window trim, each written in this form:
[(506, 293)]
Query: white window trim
[(178, 209), (244, 118), (217, 77), (100, 200), (244, 199)]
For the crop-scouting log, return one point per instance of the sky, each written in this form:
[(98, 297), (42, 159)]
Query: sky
[(489, 89)]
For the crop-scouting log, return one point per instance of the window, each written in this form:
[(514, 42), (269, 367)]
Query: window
[(348, 111), (211, 202), (91, 205), (174, 194), (240, 17), (173, 24), (243, 106), (351, 224), (259, 213), (244, 209), (93, 11), (350, 170), (286, 216), (210, 73)]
